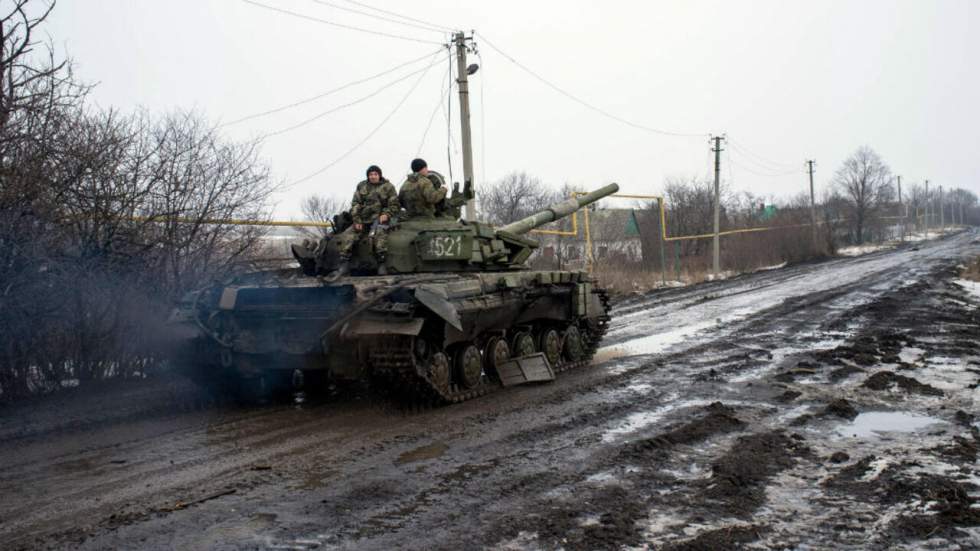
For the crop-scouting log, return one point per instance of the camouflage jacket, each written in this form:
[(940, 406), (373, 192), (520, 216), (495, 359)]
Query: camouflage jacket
[(372, 200), (419, 196)]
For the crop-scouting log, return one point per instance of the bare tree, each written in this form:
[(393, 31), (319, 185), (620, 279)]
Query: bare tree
[(320, 208), (865, 181), (690, 210), (961, 201), (513, 197), (105, 219)]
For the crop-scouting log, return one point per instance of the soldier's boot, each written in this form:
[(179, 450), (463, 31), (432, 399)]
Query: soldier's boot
[(382, 267), (341, 270)]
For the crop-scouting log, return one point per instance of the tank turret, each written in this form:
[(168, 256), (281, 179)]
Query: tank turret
[(444, 244)]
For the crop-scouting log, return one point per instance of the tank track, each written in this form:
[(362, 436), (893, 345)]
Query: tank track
[(396, 369)]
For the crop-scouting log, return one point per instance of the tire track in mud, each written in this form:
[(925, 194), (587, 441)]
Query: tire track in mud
[(550, 482), (553, 465)]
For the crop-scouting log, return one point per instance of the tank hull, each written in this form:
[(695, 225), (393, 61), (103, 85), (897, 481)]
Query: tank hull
[(438, 336)]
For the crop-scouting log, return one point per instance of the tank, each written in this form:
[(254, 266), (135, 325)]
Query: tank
[(458, 314)]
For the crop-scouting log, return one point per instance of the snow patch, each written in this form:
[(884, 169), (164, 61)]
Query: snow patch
[(660, 342), (724, 274), (774, 267), (946, 373), (640, 420), (971, 287), (911, 354), (859, 250)]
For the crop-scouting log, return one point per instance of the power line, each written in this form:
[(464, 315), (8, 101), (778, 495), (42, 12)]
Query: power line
[(764, 174), (328, 92), (382, 18), (419, 21), (362, 99), (768, 170), (432, 116), (366, 138), (765, 162), (448, 112), (572, 97), (340, 25), (731, 176), (483, 125), (757, 173)]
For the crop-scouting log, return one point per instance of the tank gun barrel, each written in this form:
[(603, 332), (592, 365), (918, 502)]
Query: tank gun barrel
[(558, 210)]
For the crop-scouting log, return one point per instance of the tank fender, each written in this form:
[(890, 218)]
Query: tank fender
[(434, 298)]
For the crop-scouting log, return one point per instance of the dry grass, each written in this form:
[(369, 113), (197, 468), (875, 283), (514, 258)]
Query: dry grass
[(623, 281)]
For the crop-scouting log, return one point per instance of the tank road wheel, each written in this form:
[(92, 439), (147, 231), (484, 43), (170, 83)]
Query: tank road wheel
[(469, 366), (522, 344), (496, 353), (439, 372), (550, 343), (572, 346)]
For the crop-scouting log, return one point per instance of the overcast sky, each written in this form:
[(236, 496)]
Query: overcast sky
[(785, 81)]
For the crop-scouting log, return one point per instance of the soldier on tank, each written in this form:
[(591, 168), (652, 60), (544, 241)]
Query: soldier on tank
[(419, 195), (375, 202)]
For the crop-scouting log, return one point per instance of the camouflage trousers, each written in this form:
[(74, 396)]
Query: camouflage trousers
[(350, 237)]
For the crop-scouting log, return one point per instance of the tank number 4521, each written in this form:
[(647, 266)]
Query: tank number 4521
[(445, 246)]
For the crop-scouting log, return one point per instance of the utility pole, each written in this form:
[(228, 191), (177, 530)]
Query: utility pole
[(942, 212), (464, 115), (813, 207), (927, 209), (716, 255), (902, 235)]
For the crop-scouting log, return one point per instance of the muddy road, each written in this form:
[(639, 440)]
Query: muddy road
[(824, 406)]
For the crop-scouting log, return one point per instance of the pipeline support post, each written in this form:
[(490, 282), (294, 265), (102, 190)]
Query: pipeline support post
[(660, 238)]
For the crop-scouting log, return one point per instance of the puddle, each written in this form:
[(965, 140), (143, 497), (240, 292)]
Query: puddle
[(874, 423), (422, 453)]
